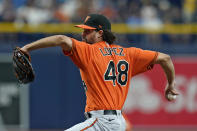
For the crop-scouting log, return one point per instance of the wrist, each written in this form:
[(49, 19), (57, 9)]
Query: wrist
[(25, 48), (171, 84)]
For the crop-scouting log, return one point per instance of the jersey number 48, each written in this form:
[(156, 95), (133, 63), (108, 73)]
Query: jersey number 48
[(122, 72)]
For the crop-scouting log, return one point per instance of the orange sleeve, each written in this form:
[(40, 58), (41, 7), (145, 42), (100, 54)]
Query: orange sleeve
[(80, 53), (143, 60)]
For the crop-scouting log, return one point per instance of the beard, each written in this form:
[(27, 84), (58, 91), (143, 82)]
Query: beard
[(86, 40)]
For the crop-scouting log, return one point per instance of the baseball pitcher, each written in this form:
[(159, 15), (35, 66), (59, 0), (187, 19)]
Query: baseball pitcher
[(106, 70)]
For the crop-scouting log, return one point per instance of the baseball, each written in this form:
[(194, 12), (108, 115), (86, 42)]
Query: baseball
[(172, 97)]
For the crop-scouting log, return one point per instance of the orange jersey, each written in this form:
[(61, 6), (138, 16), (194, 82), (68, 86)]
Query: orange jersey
[(106, 71)]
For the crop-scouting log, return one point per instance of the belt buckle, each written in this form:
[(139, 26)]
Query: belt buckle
[(110, 112)]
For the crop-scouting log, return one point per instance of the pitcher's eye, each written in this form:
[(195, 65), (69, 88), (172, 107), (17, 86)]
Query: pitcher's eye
[(87, 31)]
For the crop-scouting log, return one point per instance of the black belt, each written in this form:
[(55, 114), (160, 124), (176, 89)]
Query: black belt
[(105, 112)]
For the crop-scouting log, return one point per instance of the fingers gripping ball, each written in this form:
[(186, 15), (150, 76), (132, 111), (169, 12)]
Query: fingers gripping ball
[(171, 96), (22, 66)]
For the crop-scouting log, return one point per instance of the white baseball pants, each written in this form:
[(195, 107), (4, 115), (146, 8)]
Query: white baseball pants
[(101, 122)]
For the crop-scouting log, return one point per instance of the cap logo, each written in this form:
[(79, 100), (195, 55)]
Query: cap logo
[(88, 17)]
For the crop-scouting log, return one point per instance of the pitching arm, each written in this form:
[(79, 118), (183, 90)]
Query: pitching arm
[(166, 63)]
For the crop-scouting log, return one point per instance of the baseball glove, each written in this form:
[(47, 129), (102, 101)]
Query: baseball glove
[(22, 66)]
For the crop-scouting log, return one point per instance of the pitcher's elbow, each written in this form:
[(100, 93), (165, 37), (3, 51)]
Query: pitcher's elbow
[(166, 57), (162, 58), (60, 39)]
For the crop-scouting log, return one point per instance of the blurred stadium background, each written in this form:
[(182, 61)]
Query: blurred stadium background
[(56, 100)]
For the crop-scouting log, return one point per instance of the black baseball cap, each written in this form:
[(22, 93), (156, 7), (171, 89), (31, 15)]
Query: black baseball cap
[(96, 21)]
